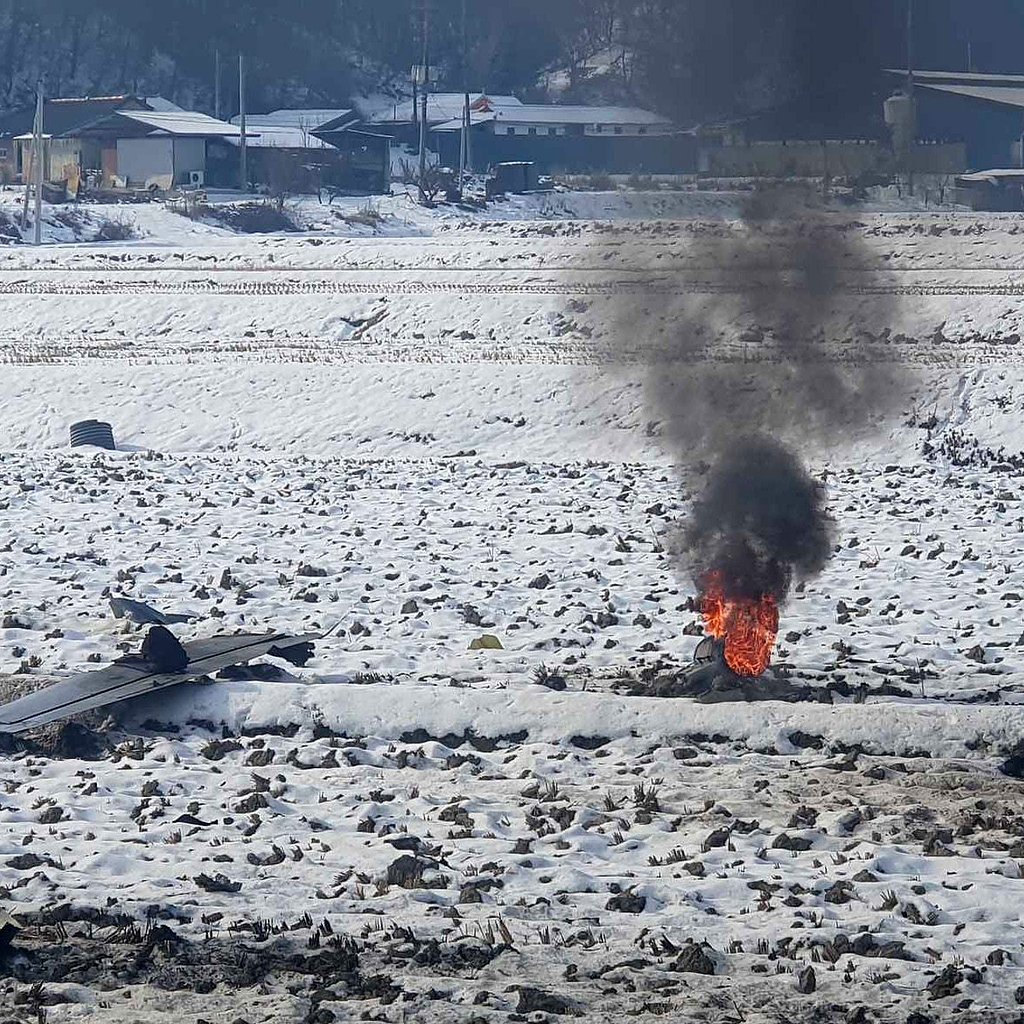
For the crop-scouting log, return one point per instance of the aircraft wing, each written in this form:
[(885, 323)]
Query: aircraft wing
[(132, 676)]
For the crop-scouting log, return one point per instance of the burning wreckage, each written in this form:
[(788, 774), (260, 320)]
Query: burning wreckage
[(162, 662), (759, 524)]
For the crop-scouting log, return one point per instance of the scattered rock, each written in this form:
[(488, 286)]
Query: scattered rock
[(627, 903), (216, 749), (803, 817), (25, 862), (69, 740), (976, 653), (589, 742), (693, 960), (218, 883), (275, 856), (788, 842), (1014, 764), (407, 872), (935, 845), (945, 984), (716, 839), (839, 893), (535, 1000)]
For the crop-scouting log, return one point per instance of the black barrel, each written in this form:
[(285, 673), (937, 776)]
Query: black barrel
[(92, 432)]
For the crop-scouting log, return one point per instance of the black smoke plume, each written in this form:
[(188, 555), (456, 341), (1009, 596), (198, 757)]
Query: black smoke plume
[(760, 519), (754, 356)]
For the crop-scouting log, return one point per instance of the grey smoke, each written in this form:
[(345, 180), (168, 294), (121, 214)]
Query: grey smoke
[(760, 520), (783, 376)]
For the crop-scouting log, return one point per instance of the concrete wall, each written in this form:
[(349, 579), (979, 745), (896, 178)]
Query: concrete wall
[(189, 155), (138, 160), (837, 158), (580, 154)]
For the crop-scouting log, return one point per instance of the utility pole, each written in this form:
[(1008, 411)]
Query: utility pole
[(464, 161), (243, 170), (910, 46), (426, 91), (216, 83), (37, 146), (910, 96)]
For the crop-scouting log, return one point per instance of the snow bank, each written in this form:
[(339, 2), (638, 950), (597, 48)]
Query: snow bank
[(391, 712)]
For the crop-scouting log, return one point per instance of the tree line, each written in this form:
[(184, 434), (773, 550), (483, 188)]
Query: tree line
[(694, 60)]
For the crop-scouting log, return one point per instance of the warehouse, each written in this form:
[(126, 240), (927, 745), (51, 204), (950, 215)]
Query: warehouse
[(574, 139)]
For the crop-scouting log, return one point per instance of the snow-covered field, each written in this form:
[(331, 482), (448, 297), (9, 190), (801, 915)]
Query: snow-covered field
[(432, 427)]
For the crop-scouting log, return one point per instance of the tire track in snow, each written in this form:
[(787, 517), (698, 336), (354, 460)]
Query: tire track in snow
[(662, 286)]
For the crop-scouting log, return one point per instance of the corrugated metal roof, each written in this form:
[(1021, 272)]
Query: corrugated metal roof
[(955, 77), (564, 114), (1008, 173), (295, 118), (63, 116), (180, 122), (441, 106), (278, 137), (557, 114), (456, 123), (160, 103), (1005, 95)]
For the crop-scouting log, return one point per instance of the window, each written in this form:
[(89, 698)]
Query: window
[(3, 152), (552, 131), (510, 131), (533, 131), (618, 129), (642, 130), (598, 128)]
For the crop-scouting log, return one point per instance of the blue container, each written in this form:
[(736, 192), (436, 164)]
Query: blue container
[(95, 433)]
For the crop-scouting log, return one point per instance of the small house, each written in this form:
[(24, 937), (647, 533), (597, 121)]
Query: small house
[(283, 159), (363, 166), (400, 119), (157, 148), (1000, 190), (67, 154), (308, 150)]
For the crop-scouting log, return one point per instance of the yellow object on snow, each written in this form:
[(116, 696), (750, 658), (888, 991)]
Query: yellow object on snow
[(487, 642)]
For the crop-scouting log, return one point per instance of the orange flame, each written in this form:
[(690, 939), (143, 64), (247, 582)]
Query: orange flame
[(747, 626)]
